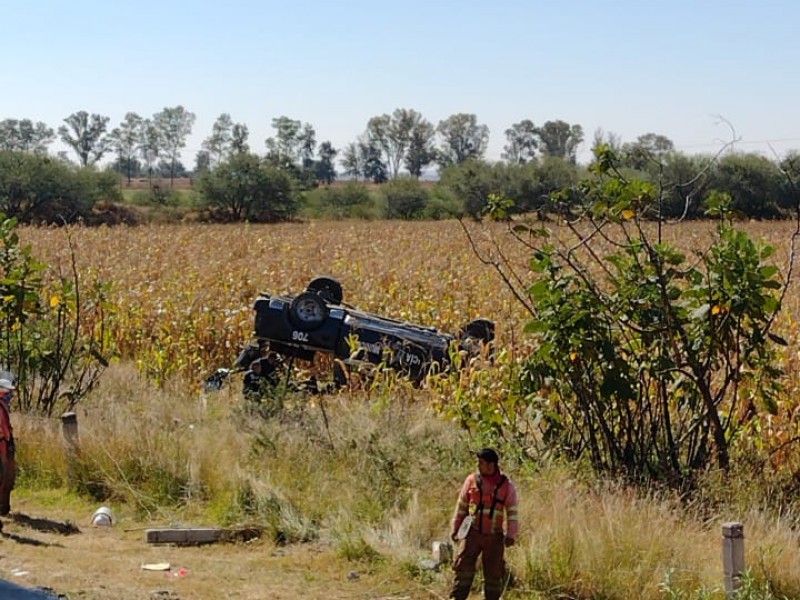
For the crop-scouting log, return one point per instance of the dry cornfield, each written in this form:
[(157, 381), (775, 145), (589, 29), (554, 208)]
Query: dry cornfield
[(184, 292)]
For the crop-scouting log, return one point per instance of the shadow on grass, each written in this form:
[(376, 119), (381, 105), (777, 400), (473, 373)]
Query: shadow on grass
[(44, 525), (20, 539)]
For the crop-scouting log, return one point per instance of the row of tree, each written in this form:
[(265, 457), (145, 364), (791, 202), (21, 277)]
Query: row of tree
[(246, 186), (391, 144), (163, 135), (404, 142), (235, 183)]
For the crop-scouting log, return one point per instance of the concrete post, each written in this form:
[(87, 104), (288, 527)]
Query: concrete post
[(69, 428), (732, 556)]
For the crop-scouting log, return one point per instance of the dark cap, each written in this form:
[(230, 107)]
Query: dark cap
[(488, 454)]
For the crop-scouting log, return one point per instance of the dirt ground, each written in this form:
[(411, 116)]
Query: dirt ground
[(50, 548)]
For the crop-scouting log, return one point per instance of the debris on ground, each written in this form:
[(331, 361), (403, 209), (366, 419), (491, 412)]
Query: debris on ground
[(164, 595)]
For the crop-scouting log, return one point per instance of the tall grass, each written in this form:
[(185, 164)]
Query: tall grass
[(375, 476)]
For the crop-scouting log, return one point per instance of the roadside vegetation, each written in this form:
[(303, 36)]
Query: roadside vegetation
[(372, 472), (644, 387), (373, 481)]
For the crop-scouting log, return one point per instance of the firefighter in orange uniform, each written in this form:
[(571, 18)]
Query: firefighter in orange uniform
[(8, 464), (487, 501)]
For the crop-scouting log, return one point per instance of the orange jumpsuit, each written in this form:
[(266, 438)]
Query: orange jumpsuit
[(490, 501), (8, 464)]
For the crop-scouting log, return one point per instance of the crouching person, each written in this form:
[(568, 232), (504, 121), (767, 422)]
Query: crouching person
[(8, 464), (487, 501)]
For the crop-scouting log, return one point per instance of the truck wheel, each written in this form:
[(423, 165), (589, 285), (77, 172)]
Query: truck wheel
[(308, 311), (328, 288), (479, 329), (476, 334)]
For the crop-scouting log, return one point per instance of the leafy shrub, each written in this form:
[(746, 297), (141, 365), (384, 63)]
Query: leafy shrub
[(39, 189), (405, 198), (647, 363), (54, 338), (244, 188), (352, 200)]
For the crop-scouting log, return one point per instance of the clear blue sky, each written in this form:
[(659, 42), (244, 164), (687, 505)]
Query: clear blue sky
[(628, 67)]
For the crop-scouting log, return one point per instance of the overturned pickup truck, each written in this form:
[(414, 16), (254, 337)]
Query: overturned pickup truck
[(317, 320)]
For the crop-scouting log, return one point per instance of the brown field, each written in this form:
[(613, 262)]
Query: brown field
[(185, 291)]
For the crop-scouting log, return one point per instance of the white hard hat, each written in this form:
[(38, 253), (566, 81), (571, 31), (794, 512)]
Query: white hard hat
[(5, 384)]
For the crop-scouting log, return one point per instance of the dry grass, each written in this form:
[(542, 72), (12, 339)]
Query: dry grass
[(345, 496), (370, 493)]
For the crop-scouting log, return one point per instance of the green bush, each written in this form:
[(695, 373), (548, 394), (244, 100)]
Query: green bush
[(405, 198), (245, 188), (351, 200), (39, 189), (646, 363), (54, 338)]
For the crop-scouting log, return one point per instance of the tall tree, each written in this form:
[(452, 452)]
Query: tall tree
[(149, 145), (307, 145), (379, 139), (362, 157), (325, 167), (218, 144), (25, 136), (352, 160), (392, 136), (647, 151), (9, 134), (174, 125), (522, 143), (462, 138), (34, 137), (656, 143), (284, 147), (86, 135), (421, 151), (125, 140), (239, 136), (560, 139)]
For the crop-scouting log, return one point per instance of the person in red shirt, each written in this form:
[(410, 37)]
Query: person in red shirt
[(487, 501), (8, 464)]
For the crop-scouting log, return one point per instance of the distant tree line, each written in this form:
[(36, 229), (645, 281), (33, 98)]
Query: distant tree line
[(294, 173)]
